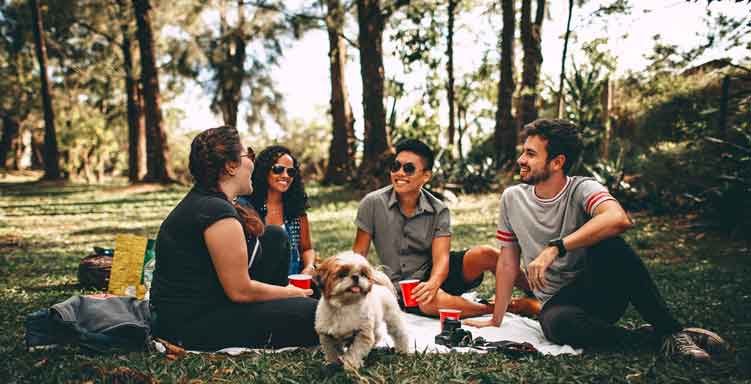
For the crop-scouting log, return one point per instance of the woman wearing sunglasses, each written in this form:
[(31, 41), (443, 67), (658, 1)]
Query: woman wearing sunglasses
[(279, 196), (213, 288)]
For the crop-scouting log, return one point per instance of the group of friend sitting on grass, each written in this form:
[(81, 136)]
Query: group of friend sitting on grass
[(227, 248)]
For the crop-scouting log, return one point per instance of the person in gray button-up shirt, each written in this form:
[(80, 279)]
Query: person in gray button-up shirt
[(411, 231)]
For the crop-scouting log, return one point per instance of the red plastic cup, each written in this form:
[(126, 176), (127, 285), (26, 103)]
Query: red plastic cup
[(407, 287), (300, 280), (445, 313)]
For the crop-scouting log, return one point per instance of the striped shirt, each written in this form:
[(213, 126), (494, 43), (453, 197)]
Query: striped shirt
[(528, 222)]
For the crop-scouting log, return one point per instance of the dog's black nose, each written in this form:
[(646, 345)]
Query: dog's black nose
[(355, 278)]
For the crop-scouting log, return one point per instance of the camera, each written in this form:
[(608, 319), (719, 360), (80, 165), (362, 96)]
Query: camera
[(452, 334)]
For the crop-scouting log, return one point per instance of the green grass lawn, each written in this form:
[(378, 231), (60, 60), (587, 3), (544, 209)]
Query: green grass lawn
[(45, 229)]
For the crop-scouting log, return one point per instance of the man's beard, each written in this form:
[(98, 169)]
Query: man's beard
[(533, 179)]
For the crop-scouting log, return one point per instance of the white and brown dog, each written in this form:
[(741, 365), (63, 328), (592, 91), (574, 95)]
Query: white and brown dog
[(357, 299)]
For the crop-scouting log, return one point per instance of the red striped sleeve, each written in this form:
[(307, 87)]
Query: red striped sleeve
[(505, 236), (595, 199)]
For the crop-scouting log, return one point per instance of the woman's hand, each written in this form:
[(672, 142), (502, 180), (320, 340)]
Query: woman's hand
[(308, 270), (298, 292)]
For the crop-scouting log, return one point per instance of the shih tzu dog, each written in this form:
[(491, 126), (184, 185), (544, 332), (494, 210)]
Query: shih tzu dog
[(357, 300)]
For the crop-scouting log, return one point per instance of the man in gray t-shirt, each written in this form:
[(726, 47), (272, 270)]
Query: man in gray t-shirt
[(411, 231), (563, 231)]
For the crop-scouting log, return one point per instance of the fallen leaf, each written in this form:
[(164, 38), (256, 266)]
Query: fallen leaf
[(41, 363)]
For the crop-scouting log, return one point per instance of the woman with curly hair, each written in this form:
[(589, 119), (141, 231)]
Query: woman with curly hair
[(279, 196), (216, 284)]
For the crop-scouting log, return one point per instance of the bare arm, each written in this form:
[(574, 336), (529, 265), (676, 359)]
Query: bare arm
[(609, 220), (362, 242), (505, 274), (425, 292), (225, 241)]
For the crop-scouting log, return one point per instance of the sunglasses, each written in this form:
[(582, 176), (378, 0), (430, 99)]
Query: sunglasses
[(278, 169), (251, 154), (409, 168)]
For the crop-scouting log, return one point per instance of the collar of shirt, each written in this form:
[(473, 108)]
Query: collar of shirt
[(423, 205)]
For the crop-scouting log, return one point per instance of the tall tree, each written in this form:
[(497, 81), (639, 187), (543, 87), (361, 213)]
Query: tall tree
[(505, 135), (51, 154), (10, 137), (563, 58), (342, 150), (228, 60), (530, 37), (450, 91), (136, 124), (156, 144), (371, 19)]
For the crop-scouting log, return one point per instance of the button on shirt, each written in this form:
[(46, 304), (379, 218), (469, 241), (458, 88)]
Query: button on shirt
[(403, 243)]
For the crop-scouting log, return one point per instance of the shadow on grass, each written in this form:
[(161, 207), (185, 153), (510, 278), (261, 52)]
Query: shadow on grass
[(324, 195), (142, 200), (111, 230), (54, 288), (45, 188)]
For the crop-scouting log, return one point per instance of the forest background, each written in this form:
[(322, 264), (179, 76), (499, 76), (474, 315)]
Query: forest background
[(99, 101)]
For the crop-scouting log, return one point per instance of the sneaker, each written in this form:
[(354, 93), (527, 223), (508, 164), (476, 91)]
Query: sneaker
[(709, 341), (681, 344)]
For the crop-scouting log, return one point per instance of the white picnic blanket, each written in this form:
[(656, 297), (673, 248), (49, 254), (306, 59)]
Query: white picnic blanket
[(422, 331)]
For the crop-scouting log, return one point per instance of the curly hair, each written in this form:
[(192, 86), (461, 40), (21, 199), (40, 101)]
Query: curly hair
[(295, 200), (562, 139), (209, 152)]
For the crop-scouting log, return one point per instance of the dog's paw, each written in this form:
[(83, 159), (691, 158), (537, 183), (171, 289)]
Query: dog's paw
[(352, 364), (330, 369)]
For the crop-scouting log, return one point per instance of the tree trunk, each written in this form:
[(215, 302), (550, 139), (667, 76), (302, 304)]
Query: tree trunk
[(136, 126), (530, 36), (9, 141), (342, 149), (51, 155), (563, 58), (607, 105), (231, 70), (377, 142), (157, 159), (450, 69), (505, 135)]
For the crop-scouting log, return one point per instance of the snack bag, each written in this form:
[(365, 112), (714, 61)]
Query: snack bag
[(127, 266)]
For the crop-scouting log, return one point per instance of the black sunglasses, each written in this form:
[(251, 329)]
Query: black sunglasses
[(251, 154), (278, 169), (409, 168)]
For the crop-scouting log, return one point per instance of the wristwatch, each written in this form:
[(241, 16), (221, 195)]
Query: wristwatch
[(558, 243)]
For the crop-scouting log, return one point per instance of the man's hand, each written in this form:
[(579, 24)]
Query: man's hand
[(482, 323), (425, 292), (536, 269)]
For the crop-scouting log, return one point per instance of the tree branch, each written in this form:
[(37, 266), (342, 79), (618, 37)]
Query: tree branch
[(95, 31), (388, 11), (291, 16)]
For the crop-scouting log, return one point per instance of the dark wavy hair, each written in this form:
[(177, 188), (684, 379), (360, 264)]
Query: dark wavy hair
[(562, 137), (295, 200), (209, 152)]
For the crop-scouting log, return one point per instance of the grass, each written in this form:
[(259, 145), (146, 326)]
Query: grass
[(45, 229)]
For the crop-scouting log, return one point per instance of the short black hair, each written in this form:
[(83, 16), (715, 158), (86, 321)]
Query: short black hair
[(562, 137), (419, 148)]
